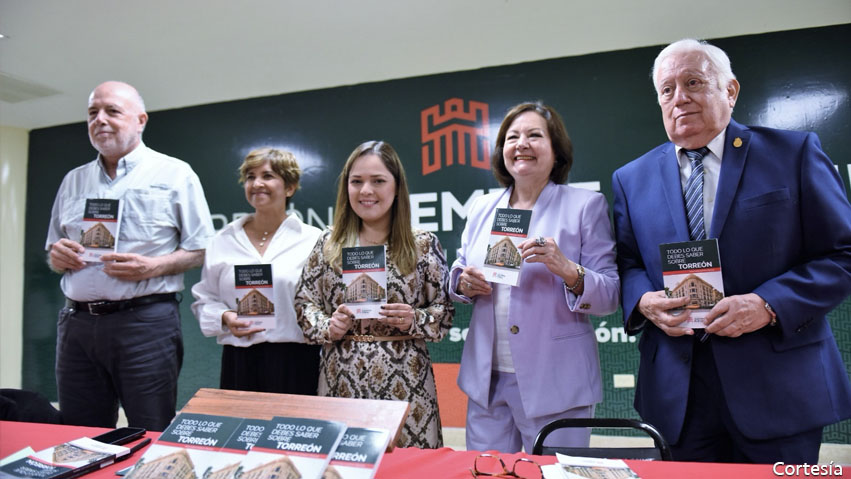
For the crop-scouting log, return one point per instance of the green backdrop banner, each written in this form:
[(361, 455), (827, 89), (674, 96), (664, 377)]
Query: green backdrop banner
[(444, 127)]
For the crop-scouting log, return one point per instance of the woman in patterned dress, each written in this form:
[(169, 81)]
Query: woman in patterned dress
[(386, 357)]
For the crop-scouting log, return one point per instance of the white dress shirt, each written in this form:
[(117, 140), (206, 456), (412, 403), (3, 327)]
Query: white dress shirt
[(502, 360), (287, 252)]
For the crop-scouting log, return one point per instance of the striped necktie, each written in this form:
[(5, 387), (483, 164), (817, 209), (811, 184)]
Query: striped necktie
[(694, 194)]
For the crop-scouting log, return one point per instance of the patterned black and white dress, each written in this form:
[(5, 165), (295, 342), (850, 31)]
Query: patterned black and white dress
[(399, 370)]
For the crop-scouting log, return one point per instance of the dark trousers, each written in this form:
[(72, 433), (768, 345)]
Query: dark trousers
[(710, 435), (132, 357), (290, 368)]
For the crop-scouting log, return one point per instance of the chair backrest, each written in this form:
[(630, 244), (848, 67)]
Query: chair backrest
[(660, 451), (27, 406)]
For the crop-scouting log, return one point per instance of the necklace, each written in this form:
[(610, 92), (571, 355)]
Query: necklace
[(368, 242), (263, 239), (253, 232)]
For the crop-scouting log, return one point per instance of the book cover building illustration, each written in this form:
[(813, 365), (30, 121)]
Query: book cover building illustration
[(297, 448), (68, 459), (190, 448), (502, 260), (693, 269), (365, 276), (101, 221), (254, 293), (238, 446), (575, 467)]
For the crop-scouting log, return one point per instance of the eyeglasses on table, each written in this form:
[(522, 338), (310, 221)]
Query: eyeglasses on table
[(490, 465)]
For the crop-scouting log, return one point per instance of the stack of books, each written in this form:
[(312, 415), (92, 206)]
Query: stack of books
[(197, 446)]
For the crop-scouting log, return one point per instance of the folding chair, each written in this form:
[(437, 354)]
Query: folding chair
[(660, 451)]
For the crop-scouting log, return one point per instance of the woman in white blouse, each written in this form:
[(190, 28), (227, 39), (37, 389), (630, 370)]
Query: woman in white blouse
[(256, 359)]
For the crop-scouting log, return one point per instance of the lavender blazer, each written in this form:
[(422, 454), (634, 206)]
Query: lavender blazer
[(554, 349)]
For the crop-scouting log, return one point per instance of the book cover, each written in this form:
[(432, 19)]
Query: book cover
[(190, 448), (575, 467), (69, 459), (101, 220), (693, 269), (502, 260), (365, 276), (254, 294), (292, 448), (358, 454), (238, 446)]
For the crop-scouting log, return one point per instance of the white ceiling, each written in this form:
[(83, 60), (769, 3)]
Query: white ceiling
[(189, 52)]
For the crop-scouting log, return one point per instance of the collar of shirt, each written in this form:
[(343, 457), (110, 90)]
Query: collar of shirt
[(291, 223), (125, 164), (716, 150)]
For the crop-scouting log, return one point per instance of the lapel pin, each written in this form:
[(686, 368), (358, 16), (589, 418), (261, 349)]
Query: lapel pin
[(737, 142)]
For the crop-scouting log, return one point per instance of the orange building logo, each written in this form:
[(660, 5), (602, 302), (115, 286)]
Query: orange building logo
[(457, 134)]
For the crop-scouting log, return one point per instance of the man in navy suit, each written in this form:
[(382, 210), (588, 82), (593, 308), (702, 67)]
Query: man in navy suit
[(765, 376)]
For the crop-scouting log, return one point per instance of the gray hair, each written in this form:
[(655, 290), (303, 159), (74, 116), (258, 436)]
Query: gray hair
[(719, 60)]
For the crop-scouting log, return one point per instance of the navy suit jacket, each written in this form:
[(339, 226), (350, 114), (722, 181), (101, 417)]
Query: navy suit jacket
[(783, 224)]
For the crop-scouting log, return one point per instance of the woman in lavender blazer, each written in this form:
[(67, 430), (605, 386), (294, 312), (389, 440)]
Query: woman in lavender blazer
[(531, 354)]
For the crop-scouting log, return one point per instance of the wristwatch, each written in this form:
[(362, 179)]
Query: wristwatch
[(580, 270)]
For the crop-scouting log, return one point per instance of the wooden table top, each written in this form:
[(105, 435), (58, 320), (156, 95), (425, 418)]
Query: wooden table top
[(375, 413)]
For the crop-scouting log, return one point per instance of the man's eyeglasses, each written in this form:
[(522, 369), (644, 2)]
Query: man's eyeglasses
[(489, 465)]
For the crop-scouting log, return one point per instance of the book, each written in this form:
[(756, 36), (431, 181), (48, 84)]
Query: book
[(17, 455), (358, 454), (502, 260), (254, 294), (693, 269), (575, 467), (238, 446), (365, 276), (101, 221), (190, 448), (293, 448), (69, 459)]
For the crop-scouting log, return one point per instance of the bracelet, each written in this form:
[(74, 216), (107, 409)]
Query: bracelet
[(771, 312), (580, 271)]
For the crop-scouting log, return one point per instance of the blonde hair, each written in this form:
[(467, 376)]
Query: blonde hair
[(347, 224), (282, 162)]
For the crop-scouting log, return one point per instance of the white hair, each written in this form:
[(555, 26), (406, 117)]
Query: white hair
[(719, 61), (134, 93), (137, 97), (140, 100)]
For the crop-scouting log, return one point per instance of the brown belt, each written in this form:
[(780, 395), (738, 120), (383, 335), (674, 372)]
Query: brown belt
[(368, 338)]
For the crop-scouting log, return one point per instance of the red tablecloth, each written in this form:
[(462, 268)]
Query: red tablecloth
[(447, 463), (402, 463)]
